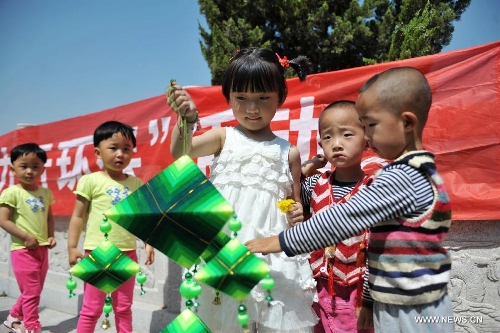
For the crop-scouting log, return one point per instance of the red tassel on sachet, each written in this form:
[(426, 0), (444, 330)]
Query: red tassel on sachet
[(361, 256), (331, 283), (361, 262), (359, 291)]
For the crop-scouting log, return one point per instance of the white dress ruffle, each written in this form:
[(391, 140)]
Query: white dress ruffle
[(252, 176)]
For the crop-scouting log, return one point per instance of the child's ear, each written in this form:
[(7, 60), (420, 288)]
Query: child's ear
[(97, 152), (410, 121), (367, 145)]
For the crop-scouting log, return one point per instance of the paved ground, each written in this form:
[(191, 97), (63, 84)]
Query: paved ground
[(52, 321)]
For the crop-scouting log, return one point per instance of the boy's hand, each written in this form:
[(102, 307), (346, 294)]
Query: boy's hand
[(150, 254), (180, 101), (310, 167), (296, 214), (319, 161), (73, 255), (365, 318), (31, 243), (264, 245), (52, 242)]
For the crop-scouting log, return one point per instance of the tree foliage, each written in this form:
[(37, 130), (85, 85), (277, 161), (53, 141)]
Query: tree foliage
[(334, 34)]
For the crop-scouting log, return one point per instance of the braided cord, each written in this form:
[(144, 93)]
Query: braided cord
[(181, 122)]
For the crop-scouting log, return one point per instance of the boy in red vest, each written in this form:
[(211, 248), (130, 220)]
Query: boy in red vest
[(338, 269)]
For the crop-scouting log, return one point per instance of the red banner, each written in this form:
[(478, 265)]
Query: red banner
[(462, 130)]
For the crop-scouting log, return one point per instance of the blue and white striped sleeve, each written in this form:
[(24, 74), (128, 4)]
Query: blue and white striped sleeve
[(367, 299), (395, 192), (306, 189)]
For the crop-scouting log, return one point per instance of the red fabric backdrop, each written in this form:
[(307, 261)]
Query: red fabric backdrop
[(462, 131)]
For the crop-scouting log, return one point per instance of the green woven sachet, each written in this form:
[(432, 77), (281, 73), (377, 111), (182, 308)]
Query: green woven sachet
[(187, 322), (179, 212), (234, 270), (215, 246), (106, 267)]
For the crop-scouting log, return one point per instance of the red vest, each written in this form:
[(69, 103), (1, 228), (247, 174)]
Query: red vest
[(343, 263)]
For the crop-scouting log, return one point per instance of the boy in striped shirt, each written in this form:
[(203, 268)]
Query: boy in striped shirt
[(406, 208)]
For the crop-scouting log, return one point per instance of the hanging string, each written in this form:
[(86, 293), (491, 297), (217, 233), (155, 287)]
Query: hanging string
[(105, 227), (71, 285), (107, 309), (181, 121), (190, 289), (243, 316), (141, 279), (196, 287), (234, 226)]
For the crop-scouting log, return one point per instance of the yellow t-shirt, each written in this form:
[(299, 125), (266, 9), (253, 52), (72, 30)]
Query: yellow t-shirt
[(102, 193), (31, 209)]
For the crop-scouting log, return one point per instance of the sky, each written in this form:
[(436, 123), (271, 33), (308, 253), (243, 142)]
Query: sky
[(61, 59)]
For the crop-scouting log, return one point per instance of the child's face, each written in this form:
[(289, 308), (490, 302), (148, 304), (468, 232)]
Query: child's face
[(342, 137), (254, 111), (115, 152), (384, 129), (28, 170)]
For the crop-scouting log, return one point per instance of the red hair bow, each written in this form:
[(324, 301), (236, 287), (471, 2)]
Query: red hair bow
[(283, 61)]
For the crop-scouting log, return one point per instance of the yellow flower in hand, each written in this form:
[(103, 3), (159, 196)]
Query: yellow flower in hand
[(285, 205)]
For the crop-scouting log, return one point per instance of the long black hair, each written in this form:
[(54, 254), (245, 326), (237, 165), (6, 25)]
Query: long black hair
[(257, 69)]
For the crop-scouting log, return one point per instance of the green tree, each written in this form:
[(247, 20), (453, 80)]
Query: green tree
[(334, 34)]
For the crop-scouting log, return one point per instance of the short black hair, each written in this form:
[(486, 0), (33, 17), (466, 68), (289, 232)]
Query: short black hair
[(108, 129), (339, 103), (342, 103), (26, 149), (401, 88)]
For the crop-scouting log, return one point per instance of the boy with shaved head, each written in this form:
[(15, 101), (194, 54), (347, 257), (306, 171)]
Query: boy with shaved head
[(406, 208)]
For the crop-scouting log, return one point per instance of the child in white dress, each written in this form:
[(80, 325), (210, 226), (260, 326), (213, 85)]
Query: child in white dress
[(254, 169)]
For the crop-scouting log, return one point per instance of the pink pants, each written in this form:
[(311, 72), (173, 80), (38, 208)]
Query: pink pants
[(30, 268), (94, 299), (337, 313)]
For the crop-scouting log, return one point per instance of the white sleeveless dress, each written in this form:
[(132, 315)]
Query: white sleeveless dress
[(252, 176)]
